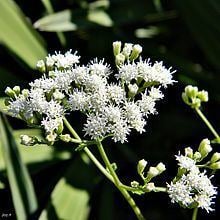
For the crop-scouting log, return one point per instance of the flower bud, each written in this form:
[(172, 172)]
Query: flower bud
[(191, 91), (197, 156), (161, 167), (116, 47), (149, 187), (215, 157), (152, 172), (133, 88), (10, 92), (65, 137), (127, 50), (17, 90), (196, 103), (215, 166), (188, 152), (49, 63), (119, 59), (25, 93), (185, 98), (203, 96), (137, 49), (205, 147), (28, 140), (41, 66), (134, 184), (51, 137), (58, 95), (141, 166)]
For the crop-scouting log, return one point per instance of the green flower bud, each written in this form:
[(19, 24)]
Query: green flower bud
[(215, 157), (150, 187), (205, 147), (133, 88), (161, 167), (119, 59), (41, 66), (116, 47), (25, 93), (51, 137), (215, 166), (28, 140), (197, 156), (189, 152), (152, 172), (191, 91), (65, 137), (134, 184), (136, 50), (141, 166), (203, 96), (196, 103), (10, 92), (185, 98), (17, 90)]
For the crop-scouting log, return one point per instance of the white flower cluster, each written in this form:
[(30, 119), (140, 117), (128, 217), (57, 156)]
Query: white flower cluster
[(193, 188), (112, 108)]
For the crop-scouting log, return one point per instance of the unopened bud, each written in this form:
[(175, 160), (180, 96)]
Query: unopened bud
[(161, 167), (188, 152), (41, 66), (141, 166), (51, 137), (49, 62), (205, 147), (203, 96), (150, 187), (28, 140), (134, 184), (65, 137), (116, 47), (127, 50), (25, 93), (191, 91), (215, 157), (119, 59), (152, 172), (17, 90), (133, 88), (58, 95), (10, 92), (136, 50), (197, 156), (215, 166)]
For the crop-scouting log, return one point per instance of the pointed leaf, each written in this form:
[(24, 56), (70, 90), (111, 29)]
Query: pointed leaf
[(23, 194), (18, 34), (56, 22)]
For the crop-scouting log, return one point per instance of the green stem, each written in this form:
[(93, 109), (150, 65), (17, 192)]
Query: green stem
[(195, 212), (206, 121), (73, 132), (118, 184)]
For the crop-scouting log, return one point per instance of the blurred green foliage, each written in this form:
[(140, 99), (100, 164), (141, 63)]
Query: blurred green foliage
[(185, 34)]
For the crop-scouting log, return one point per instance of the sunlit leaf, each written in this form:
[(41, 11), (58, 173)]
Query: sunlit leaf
[(56, 22), (18, 35), (22, 191)]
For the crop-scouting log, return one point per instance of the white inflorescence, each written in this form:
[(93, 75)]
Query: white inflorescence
[(192, 189), (112, 108)]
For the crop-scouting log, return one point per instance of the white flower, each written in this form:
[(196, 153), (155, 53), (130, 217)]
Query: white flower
[(155, 93), (95, 126), (54, 109), (44, 83), (99, 68), (186, 162), (134, 116), (112, 113), (51, 124), (80, 74), (115, 93), (194, 187), (78, 100), (127, 72)]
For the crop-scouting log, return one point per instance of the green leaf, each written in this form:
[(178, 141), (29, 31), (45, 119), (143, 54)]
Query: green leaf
[(100, 17), (56, 22), (68, 201), (18, 35), (22, 190), (37, 156)]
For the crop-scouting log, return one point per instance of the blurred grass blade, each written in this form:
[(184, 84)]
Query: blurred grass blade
[(18, 35), (100, 17), (70, 200), (22, 191), (56, 22)]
